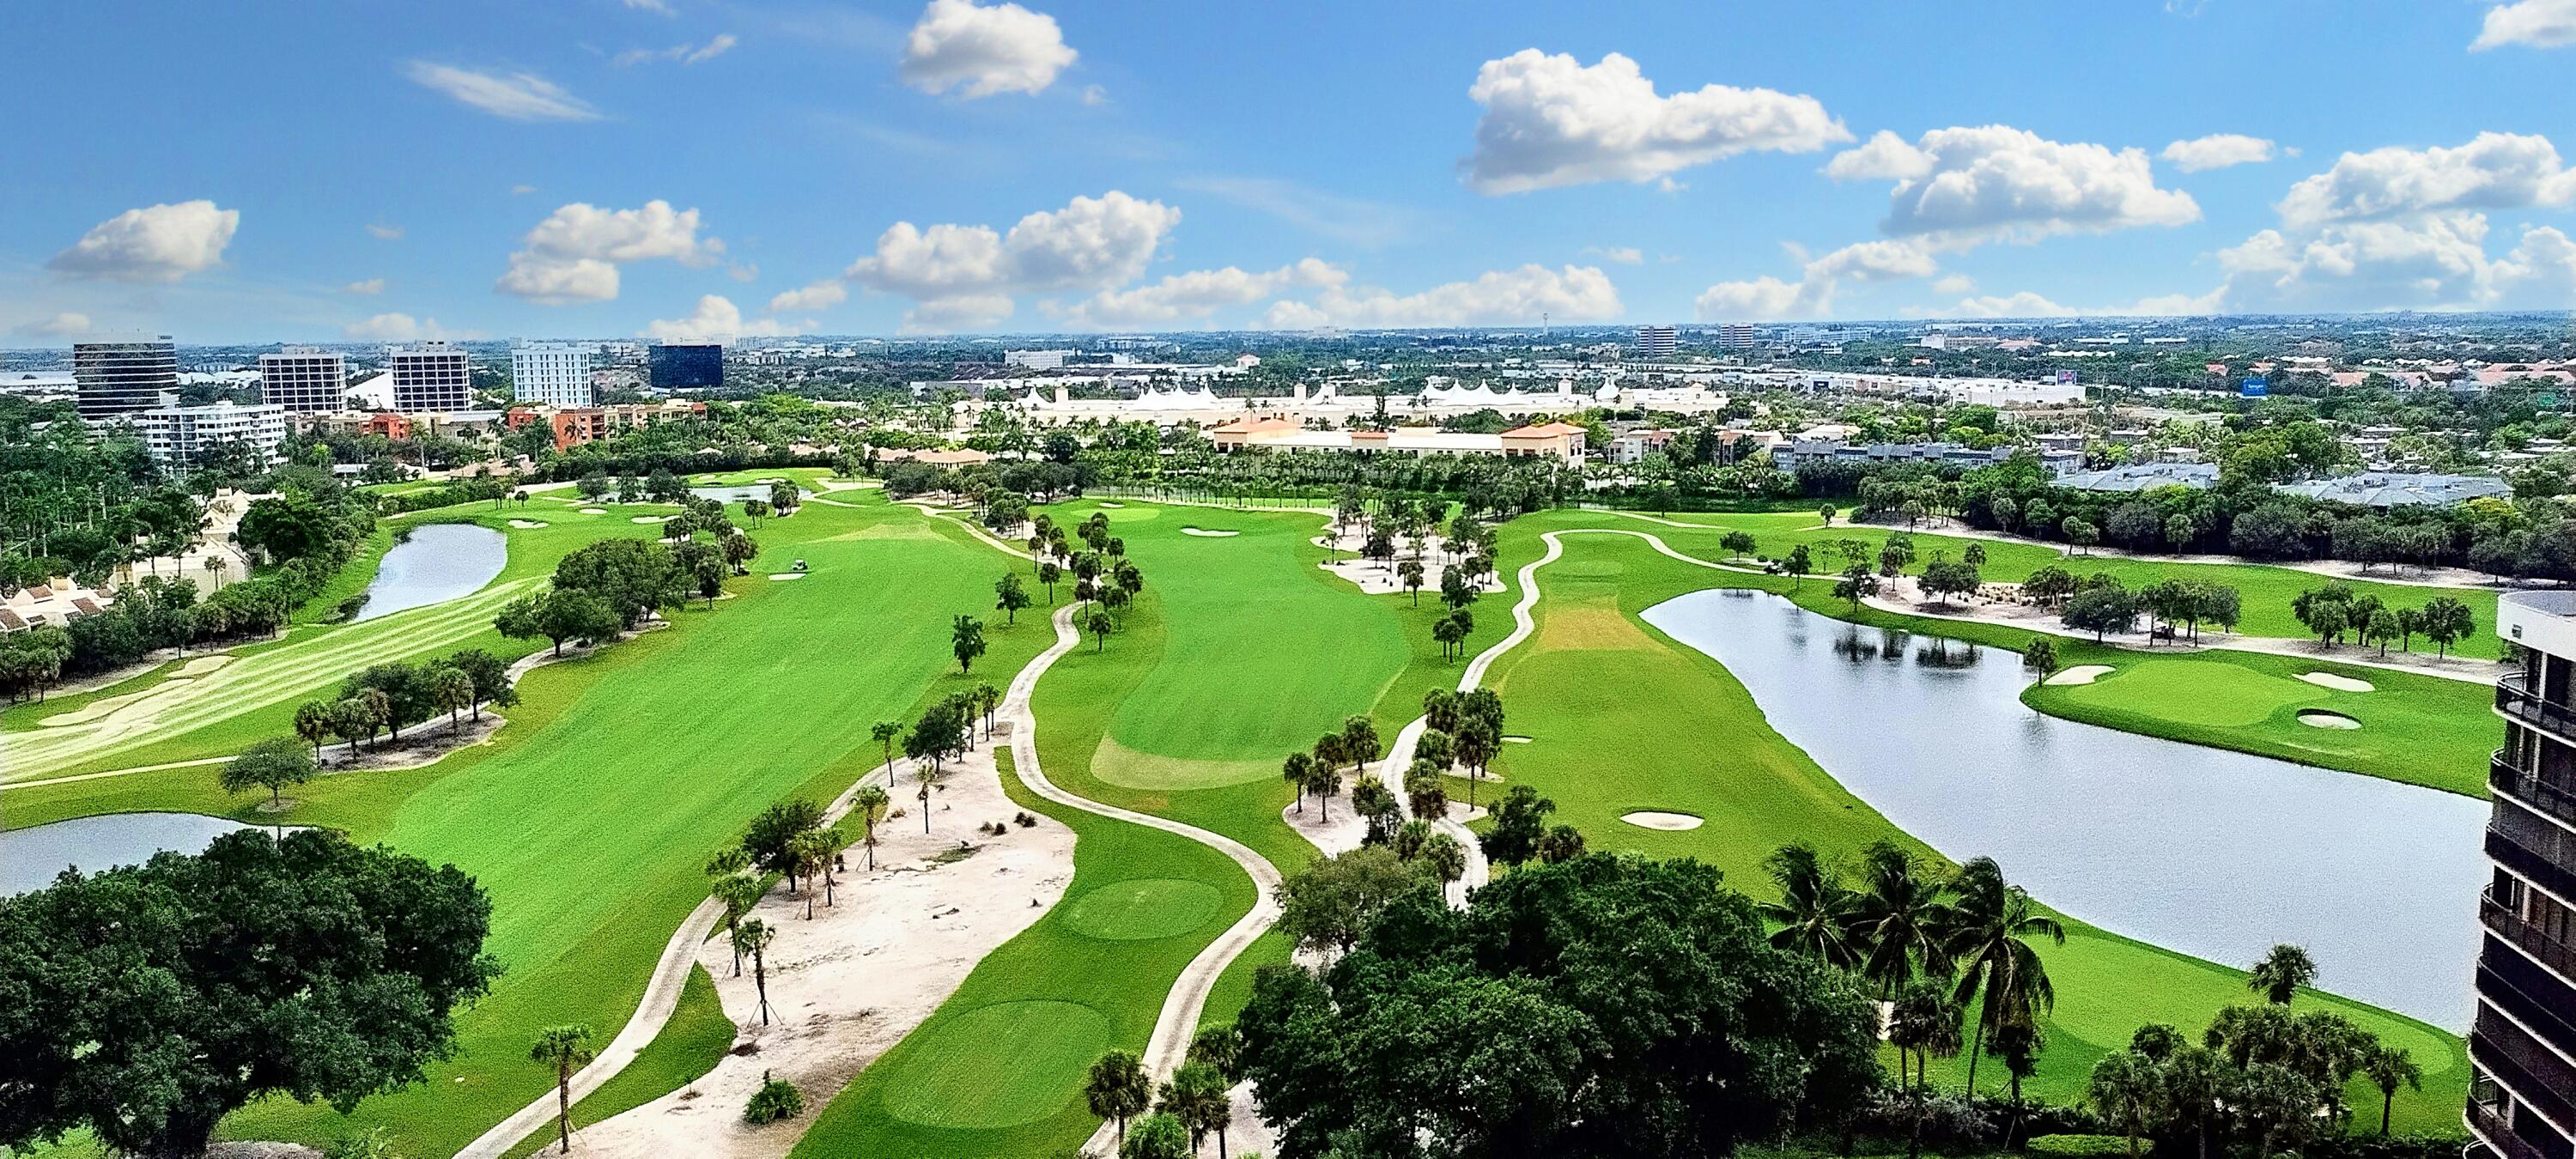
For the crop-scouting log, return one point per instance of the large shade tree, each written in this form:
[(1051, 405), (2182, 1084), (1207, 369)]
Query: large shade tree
[(145, 1003)]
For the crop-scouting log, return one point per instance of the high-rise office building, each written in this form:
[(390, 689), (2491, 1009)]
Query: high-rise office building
[(553, 373), (1735, 336), (1658, 341), (432, 376), (125, 373), (687, 365), (304, 380), (2522, 1037)]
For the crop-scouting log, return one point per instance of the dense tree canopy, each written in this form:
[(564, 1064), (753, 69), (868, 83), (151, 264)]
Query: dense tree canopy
[(1606, 1006), (146, 1002)]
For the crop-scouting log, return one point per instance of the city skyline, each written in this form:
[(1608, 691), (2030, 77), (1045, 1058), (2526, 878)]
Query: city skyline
[(675, 169)]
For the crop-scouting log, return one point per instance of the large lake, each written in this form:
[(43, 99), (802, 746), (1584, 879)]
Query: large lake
[(440, 562), (2213, 853), (31, 858)]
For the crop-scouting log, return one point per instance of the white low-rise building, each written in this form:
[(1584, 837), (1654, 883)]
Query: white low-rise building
[(180, 435)]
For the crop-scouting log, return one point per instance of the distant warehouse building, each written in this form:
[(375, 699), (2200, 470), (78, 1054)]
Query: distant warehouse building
[(686, 365), (2386, 489)]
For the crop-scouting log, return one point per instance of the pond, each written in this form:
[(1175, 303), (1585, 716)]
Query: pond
[(440, 562), (738, 494), (2212, 853), (31, 858)]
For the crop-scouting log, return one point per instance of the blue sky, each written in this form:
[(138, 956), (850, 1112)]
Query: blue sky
[(352, 170)]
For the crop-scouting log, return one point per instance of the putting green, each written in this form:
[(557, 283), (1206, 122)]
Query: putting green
[(1050, 1044), (1142, 908), (2211, 693)]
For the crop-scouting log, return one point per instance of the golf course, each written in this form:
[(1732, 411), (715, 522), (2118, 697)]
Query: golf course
[(589, 817)]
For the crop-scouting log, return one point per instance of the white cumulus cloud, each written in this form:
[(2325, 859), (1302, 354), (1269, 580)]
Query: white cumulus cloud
[(1626, 255), (395, 327), (717, 319), (383, 232), (61, 325), (1497, 297), (983, 50), (2218, 151), (518, 96), (1198, 294), (1551, 120), (1768, 299), (369, 286), (2533, 23), (1960, 187), (158, 243), (828, 292), (573, 255), (2492, 171), (964, 276)]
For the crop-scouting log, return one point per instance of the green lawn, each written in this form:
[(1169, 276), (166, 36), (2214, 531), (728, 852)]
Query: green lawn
[(2266, 591), (589, 817), (1597, 689), (690, 1045), (1240, 651)]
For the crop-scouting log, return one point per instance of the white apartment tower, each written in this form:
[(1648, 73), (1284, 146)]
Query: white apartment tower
[(432, 376), (177, 436), (552, 373), (1654, 342), (304, 380)]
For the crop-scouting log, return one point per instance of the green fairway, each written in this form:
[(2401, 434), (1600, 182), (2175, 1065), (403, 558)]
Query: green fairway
[(1598, 690), (2265, 590), (1239, 651), (2419, 729), (589, 817), (690, 1045)]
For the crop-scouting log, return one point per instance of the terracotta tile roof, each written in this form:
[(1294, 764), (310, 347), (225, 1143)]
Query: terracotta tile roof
[(1543, 431)]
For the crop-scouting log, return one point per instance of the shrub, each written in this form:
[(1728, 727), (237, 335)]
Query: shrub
[(1024, 821), (2079, 1145), (775, 1100)]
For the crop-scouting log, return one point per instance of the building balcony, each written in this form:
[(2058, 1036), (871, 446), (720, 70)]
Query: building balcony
[(2531, 865), (2510, 927), (2515, 701), (2537, 1078), (2530, 997), (2529, 790), (2498, 1139)]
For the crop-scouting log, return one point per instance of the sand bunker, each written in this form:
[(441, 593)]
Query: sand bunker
[(650, 519), (2080, 674), (1106, 503), (2320, 718), (594, 511), (2338, 683), (200, 665), (526, 524), (1516, 740), (1669, 822), (1201, 531), (788, 575)]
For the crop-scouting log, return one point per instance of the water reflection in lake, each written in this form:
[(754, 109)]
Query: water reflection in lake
[(2213, 853), (440, 562)]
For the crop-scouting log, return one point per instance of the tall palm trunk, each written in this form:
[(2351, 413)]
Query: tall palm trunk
[(563, 1106)]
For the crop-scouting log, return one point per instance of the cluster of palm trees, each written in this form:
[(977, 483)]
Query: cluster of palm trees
[(1940, 948), (946, 729), (2261, 1074), (1461, 729), (1318, 772), (1193, 1104), (1102, 573)]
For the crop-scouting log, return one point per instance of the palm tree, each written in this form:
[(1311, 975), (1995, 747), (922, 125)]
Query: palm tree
[(567, 1049), (2390, 1067), (2284, 969), (1985, 935), (966, 642), (214, 566), (1912, 1021), (1815, 912), (1897, 917), (313, 722), (1196, 1095), (811, 853), (885, 732), (453, 690), (1297, 770), (739, 893), (1446, 857), (2193, 1081), (1118, 1089), (753, 937), (1359, 742), (870, 807), (2127, 1090)]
